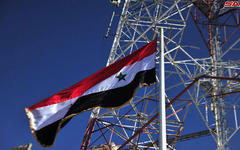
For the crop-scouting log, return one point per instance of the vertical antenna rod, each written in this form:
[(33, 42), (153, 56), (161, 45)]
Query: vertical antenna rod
[(109, 25)]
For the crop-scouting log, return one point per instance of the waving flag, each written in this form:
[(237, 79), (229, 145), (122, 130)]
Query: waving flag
[(110, 87)]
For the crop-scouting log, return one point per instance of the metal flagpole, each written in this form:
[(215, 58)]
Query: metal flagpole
[(162, 105)]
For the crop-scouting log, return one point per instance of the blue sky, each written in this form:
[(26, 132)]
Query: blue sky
[(46, 46)]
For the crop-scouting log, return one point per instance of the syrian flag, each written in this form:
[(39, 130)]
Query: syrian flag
[(110, 87)]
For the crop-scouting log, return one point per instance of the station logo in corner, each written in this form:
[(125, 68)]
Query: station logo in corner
[(232, 4)]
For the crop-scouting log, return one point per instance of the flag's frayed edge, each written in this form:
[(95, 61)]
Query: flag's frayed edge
[(70, 116), (33, 131)]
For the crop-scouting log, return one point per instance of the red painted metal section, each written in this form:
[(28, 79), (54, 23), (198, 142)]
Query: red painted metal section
[(138, 131), (183, 91), (197, 18), (210, 29), (223, 94), (107, 143), (88, 134), (221, 78)]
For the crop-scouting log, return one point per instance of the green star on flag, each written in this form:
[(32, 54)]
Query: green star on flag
[(121, 77)]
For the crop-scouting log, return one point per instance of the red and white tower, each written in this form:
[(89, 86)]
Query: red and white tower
[(198, 69)]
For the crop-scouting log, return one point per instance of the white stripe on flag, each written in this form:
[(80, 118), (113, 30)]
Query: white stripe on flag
[(44, 116)]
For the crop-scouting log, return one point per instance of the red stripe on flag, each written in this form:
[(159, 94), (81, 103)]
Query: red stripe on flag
[(79, 88)]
